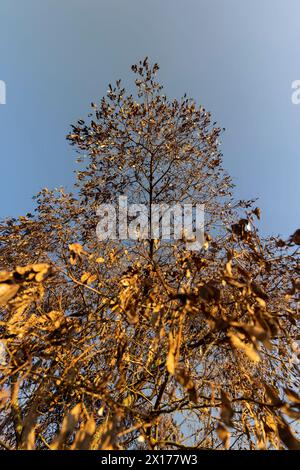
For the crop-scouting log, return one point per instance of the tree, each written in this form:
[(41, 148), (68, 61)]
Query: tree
[(114, 344)]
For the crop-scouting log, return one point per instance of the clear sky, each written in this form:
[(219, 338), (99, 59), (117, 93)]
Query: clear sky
[(238, 58)]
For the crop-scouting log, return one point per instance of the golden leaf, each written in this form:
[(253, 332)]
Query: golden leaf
[(84, 436), (76, 248), (92, 278), (269, 422), (273, 395), (292, 396), (224, 435), (7, 292), (287, 437), (85, 277), (171, 362), (184, 379), (228, 269), (68, 426), (226, 409), (5, 276), (76, 251), (248, 348)]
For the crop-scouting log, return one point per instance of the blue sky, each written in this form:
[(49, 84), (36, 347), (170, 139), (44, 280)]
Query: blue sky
[(237, 58)]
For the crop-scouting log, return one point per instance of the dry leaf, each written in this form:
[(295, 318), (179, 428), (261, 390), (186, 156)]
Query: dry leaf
[(184, 379), (84, 436), (248, 348), (292, 396), (171, 361), (69, 423), (7, 292), (224, 435), (226, 409), (287, 437)]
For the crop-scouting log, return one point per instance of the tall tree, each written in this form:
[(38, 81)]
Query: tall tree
[(111, 344)]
